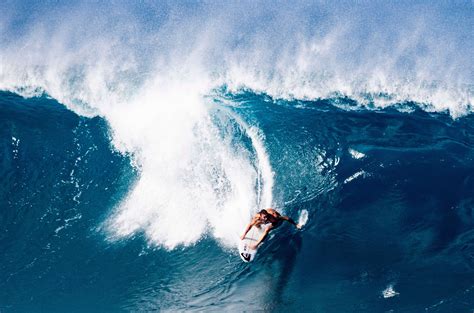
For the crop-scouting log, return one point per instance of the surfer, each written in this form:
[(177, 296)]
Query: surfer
[(269, 219)]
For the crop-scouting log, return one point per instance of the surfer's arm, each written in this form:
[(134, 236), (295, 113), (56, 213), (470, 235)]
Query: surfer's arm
[(265, 233), (289, 220), (248, 228)]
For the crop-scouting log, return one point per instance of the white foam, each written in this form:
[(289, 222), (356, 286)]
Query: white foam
[(355, 175), (100, 63), (192, 179), (15, 145), (389, 292), (303, 218), (356, 154)]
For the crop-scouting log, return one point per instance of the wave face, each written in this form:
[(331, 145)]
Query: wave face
[(138, 139)]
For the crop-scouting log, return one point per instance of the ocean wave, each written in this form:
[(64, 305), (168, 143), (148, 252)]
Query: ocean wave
[(150, 76)]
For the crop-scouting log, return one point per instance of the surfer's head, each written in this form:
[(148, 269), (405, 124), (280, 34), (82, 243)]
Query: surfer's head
[(263, 214)]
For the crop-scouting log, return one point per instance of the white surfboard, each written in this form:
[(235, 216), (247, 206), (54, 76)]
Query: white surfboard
[(254, 234)]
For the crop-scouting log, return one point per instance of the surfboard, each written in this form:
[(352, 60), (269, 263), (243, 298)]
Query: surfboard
[(254, 234)]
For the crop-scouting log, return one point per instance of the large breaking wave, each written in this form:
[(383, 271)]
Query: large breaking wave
[(149, 70)]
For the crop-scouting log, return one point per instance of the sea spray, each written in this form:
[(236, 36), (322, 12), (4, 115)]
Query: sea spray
[(303, 217)]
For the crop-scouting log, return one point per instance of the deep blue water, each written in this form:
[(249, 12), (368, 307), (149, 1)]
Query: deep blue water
[(398, 212)]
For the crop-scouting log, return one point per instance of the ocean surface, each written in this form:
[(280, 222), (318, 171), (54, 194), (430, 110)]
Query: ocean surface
[(137, 140)]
